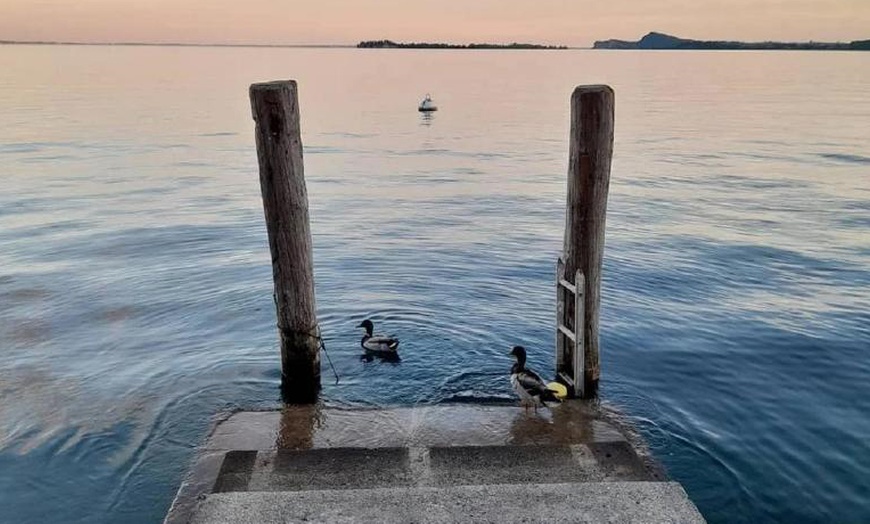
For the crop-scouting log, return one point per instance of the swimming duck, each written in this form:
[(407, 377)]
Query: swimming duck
[(377, 344), (528, 385)]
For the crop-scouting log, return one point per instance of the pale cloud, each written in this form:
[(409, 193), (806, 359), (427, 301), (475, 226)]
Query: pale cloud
[(571, 22)]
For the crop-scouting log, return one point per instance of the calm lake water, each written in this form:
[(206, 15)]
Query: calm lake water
[(135, 281)]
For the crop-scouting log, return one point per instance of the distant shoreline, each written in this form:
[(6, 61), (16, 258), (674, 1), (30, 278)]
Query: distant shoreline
[(372, 44), (361, 45), (178, 44), (651, 41), (389, 44), (661, 41)]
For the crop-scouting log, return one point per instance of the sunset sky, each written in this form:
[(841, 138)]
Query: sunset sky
[(569, 22)]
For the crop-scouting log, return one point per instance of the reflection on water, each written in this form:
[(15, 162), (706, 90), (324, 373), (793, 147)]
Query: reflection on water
[(135, 281), (426, 118), (298, 425), (372, 356)]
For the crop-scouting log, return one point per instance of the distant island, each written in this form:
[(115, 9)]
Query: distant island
[(165, 44), (663, 41), (389, 44)]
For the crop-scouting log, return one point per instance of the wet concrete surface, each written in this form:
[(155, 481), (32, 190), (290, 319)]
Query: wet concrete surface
[(307, 427), (332, 468), (314, 449)]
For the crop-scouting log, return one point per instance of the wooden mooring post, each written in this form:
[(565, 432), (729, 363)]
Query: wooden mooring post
[(275, 109), (590, 152)]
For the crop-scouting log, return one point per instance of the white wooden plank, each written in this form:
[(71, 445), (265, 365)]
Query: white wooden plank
[(579, 363), (567, 332), (560, 314), (567, 285)]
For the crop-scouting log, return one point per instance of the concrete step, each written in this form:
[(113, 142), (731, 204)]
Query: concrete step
[(598, 502), (448, 463), (351, 468)]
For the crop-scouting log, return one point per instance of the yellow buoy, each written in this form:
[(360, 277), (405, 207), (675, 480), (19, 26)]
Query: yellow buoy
[(559, 390)]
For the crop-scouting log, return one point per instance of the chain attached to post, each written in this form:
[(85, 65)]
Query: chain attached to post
[(316, 335)]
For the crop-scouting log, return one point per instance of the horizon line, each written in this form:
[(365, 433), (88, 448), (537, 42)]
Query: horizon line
[(200, 44), (356, 46), (166, 44)]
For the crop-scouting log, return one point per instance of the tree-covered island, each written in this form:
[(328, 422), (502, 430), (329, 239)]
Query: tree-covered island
[(662, 41), (389, 44)]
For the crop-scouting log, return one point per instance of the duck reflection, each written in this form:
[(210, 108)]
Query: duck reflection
[(427, 118), (568, 423), (371, 356)]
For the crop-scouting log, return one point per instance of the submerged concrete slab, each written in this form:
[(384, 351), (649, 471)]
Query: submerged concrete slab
[(622, 502), (477, 465), (335, 468), (352, 468), (311, 449), (307, 427)]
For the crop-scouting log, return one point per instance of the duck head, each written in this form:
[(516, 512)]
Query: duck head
[(519, 352), (368, 326)]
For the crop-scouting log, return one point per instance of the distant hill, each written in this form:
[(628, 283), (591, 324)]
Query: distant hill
[(662, 41), (389, 44)]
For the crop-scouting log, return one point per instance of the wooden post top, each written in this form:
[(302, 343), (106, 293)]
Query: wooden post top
[(597, 88), (275, 84)]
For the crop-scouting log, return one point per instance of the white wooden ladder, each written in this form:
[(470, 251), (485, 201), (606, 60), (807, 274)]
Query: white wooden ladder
[(570, 356)]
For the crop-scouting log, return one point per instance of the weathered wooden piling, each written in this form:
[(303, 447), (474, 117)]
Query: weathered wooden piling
[(275, 109), (590, 152)]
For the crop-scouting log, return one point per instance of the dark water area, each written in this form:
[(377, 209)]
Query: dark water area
[(135, 280)]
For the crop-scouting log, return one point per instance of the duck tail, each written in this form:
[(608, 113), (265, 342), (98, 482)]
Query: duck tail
[(394, 344), (548, 397)]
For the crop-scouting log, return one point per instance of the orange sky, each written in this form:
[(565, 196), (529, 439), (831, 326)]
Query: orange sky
[(570, 22)]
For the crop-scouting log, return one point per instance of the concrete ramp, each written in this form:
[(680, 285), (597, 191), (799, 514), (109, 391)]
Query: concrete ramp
[(593, 502), (430, 464)]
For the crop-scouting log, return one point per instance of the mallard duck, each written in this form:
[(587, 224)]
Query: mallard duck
[(528, 385), (377, 344)]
